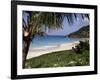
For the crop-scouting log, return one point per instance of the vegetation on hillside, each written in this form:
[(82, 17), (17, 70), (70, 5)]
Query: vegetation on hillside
[(81, 33)]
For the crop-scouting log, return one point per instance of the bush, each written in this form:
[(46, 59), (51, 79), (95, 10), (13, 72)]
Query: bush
[(84, 45)]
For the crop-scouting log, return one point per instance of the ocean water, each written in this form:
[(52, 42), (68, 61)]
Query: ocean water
[(43, 41)]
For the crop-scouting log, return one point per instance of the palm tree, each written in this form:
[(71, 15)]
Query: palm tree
[(38, 22)]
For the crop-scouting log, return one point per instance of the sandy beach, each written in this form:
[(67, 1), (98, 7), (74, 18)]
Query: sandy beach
[(35, 52)]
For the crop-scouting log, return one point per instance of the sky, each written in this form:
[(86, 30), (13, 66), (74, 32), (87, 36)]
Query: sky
[(67, 28)]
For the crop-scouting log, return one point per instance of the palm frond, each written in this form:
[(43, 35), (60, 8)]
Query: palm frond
[(42, 21)]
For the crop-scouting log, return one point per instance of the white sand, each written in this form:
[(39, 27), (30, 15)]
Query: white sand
[(34, 52)]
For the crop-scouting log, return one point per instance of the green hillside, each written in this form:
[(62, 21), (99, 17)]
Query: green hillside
[(81, 33)]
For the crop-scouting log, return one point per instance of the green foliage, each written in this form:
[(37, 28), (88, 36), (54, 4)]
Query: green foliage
[(41, 21), (84, 45), (59, 59)]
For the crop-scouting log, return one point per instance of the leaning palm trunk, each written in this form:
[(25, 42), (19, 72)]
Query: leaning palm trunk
[(25, 51), (26, 44)]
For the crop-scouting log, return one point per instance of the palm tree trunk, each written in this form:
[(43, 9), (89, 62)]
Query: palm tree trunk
[(26, 44)]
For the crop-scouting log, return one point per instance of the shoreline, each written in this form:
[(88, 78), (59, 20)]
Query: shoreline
[(35, 52)]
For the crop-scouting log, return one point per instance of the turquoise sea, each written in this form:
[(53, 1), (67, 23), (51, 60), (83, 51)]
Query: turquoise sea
[(41, 41)]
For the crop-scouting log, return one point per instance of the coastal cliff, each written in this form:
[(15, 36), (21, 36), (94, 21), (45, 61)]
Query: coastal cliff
[(81, 33)]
